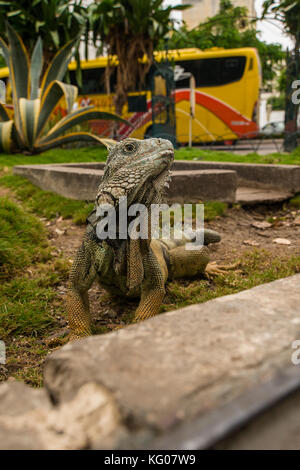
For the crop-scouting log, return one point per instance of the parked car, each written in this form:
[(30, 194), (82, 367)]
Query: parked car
[(273, 128)]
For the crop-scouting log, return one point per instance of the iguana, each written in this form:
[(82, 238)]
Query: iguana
[(139, 170)]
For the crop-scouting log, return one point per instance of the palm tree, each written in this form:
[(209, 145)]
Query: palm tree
[(55, 21), (288, 13), (130, 30)]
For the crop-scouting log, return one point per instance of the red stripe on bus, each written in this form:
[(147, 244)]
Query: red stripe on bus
[(238, 123)]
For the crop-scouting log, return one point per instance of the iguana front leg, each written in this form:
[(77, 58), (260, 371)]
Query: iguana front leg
[(152, 289), (82, 275)]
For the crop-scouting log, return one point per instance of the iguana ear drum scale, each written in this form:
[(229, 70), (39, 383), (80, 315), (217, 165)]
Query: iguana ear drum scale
[(138, 170)]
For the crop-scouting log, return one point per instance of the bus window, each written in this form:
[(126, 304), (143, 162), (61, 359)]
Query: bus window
[(212, 72), (137, 104), (160, 87)]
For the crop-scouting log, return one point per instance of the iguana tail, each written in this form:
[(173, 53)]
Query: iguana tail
[(209, 236)]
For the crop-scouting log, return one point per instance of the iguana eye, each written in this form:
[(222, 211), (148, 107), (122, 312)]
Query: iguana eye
[(130, 147)]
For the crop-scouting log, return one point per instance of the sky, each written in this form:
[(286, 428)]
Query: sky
[(270, 31)]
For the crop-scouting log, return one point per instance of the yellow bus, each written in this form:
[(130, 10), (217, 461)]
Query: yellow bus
[(225, 95)]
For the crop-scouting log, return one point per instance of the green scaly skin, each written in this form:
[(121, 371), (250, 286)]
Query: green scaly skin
[(139, 170)]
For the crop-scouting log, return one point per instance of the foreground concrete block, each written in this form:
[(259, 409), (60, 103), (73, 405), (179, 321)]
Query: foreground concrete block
[(277, 429), (29, 421), (184, 363)]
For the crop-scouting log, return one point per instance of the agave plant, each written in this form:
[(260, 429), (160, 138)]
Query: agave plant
[(34, 103)]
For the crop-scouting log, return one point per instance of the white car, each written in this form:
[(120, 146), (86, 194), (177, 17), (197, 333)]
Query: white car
[(273, 128)]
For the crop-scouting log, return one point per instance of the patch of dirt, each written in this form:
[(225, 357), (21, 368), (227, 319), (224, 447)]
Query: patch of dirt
[(238, 232), (5, 192), (239, 235)]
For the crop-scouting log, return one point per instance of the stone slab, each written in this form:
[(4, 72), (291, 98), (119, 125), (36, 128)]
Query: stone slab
[(81, 182), (185, 363), (252, 196)]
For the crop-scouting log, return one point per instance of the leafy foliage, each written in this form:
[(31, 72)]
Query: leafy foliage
[(33, 107), (55, 21), (230, 28), (277, 102), (285, 11), (288, 13), (130, 29)]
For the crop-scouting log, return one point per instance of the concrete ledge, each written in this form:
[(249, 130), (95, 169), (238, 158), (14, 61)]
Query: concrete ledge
[(184, 363), (81, 182), (192, 181), (286, 177), (73, 183), (205, 185)]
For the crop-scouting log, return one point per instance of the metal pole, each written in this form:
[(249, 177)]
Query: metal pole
[(192, 108)]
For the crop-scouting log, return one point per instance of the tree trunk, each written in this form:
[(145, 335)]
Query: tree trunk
[(291, 109)]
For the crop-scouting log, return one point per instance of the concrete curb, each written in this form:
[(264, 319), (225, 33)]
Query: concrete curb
[(81, 182), (192, 181)]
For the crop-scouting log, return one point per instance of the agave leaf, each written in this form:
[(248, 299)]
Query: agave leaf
[(3, 113), (78, 116), (17, 141), (18, 72), (51, 98), (73, 137), (19, 65), (58, 66), (29, 112), (6, 136), (5, 51), (36, 69)]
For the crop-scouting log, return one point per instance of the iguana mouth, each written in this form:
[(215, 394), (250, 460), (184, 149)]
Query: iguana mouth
[(166, 157)]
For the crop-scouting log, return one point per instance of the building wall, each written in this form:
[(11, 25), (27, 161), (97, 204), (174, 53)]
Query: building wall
[(203, 9)]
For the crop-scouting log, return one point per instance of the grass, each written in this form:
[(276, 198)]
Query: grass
[(295, 201), (29, 274), (23, 239), (27, 301), (194, 153), (213, 209), (45, 203), (98, 154), (256, 267), (76, 155)]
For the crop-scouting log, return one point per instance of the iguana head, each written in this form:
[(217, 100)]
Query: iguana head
[(137, 169)]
